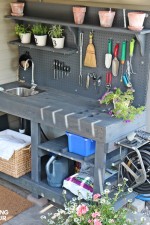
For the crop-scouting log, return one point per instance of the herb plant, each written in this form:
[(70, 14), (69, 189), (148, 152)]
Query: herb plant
[(39, 29), (22, 29), (122, 104), (56, 31)]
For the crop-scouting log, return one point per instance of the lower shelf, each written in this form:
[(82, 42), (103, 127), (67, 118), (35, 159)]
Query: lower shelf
[(41, 188)]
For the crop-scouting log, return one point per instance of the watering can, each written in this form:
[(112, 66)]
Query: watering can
[(57, 169)]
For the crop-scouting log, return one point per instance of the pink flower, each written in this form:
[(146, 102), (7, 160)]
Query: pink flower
[(94, 215), (82, 209), (97, 222), (96, 196), (89, 221)]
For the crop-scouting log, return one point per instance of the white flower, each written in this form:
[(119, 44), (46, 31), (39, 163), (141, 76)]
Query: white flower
[(134, 212), (102, 200), (108, 183), (43, 217), (119, 185), (129, 200), (64, 192), (129, 220), (125, 179), (130, 190), (111, 221), (106, 191), (143, 219)]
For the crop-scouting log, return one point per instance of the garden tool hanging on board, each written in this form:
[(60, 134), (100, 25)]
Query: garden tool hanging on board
[(108, 56), (123, 56), (90, 58), (115, 62), (108, 81), (81, 47), (132, 45)]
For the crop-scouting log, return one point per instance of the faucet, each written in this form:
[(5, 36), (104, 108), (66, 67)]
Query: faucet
[(25, 68)]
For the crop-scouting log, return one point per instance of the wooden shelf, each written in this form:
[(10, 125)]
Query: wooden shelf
[(58, 146), (64, 51), (84, 26)]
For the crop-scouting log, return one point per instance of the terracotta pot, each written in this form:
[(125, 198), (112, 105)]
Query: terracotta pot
[(136, 19), (17, 8), (106, 18), (79, 14)]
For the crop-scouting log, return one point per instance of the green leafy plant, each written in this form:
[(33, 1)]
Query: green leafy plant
[(22, 29), (39, 29), (122, 104), (98, 210), (56, 31)]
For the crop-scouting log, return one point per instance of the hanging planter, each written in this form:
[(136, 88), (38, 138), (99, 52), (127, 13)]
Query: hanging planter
[(17, 8), (106, 18), (79, 14), (136, 20)]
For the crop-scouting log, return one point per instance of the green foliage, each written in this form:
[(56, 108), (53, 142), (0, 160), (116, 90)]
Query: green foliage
[(39, 29), (22, 29), (56, 31), (122, 104), (98, 210)]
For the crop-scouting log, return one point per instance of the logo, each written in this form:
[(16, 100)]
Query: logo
[(3, 215)]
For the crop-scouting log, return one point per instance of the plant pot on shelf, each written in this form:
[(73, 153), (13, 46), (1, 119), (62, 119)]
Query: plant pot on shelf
[(136, 20), (58, 42), (40, 40), (79, 14), (17, 8), (106, 18), (25, 38)]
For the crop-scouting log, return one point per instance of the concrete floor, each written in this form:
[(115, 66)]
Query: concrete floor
[(32, 215)]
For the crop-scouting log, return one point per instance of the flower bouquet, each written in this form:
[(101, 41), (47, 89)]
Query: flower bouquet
[(98, 210), (122, 103)]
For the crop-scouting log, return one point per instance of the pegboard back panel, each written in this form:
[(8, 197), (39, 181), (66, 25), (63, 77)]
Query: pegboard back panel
[(44, 60)]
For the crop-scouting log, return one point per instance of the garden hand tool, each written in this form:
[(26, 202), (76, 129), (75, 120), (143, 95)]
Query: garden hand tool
[(90, 58), (126, 80), (108, 56), (123, 56), (132, 44), (115, 62), (80, 46), (88, 80), (108, 81)]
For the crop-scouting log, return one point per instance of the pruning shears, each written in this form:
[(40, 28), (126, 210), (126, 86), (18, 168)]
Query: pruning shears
[(108, 80)]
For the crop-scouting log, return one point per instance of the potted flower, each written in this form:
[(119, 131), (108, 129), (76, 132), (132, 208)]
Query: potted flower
[(98, 210), (122, 104), (24, 32), (56, 34), (40, 34)]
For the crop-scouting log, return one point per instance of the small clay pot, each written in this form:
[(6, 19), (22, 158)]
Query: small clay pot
[(79, 14), (106, 18), (17, 8), (136, 19)]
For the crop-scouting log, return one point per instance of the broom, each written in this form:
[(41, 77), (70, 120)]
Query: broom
[(90, 58)]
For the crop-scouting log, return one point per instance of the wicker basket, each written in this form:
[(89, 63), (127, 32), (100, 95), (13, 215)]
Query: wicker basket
[(19, 164)]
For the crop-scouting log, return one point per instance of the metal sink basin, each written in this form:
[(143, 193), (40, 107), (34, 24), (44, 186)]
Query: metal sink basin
[(22, 91)]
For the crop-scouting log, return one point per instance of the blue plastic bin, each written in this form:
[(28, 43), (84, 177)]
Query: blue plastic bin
[(80, 145)]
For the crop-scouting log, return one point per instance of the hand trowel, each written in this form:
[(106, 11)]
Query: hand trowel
[(115, 62), (108, 56)]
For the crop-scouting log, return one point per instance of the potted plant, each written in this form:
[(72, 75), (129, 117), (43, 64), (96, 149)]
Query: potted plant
[(17, 8), (122, 103), (40, 34), (24, 32), (56, 34), (79, 14)]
